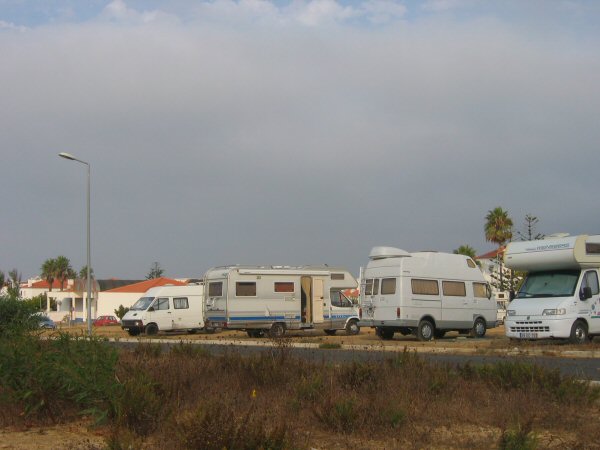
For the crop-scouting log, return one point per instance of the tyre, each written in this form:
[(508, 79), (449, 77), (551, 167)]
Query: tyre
[(329, 332), (352, 328), (425, 330), (579, 332), (384, 333), (479, 328), (277, 330), (151, 329)]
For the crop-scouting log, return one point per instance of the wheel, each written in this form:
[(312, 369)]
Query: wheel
[(352, 328), (425, 330), (439, 334), (579, 332), (135, 332), (384, 333), (329, 332), (479, 328), (151, 329), (277, 330)]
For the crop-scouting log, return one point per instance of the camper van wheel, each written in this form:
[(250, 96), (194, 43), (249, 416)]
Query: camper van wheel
[(579, 332), (330, 332), (425, 330), (352, 328), (151, 329), (479, 328), (277, 330), (384, 333)]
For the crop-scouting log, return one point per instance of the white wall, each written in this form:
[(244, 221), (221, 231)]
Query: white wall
[(109, 301)]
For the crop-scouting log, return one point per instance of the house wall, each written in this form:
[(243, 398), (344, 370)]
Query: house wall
[(109, 301)]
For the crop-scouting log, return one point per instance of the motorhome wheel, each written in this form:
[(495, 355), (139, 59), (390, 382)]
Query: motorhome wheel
[(579, 332), (277, 330), (352, 328), (330, 332), (479, 328), (425, 330), (151, 329)]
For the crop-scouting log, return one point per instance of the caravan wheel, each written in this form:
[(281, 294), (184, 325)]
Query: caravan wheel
[(277, 330)]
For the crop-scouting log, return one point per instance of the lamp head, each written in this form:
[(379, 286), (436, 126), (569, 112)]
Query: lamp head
[(67, 156)]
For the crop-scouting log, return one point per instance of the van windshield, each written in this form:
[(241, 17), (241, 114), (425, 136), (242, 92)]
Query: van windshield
[(142, 304), (556, 283)]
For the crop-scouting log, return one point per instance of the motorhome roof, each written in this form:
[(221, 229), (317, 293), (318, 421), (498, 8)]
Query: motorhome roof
[(387, 252)]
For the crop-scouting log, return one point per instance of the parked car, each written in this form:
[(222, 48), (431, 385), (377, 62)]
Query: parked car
[(106, 320), (46, 322)]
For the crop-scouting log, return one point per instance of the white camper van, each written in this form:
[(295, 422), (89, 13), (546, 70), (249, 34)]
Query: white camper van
[(273, 299), (166, 308), (424, 293), (560, 297)]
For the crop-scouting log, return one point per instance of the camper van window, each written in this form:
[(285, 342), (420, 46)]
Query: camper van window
[(590, 280), (181, 303), (245, 289), (388, 286), (425, 287), (337, 276), (215, 289), (555, 283), (369, 287), (454, 288), (376, 286), (470, 263), (142, 304), (592, 249), (284, 286), (480, 290), (339, 299), (161, 304)]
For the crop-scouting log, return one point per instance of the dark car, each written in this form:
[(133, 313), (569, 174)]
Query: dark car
[(106, 320), (46, 322)]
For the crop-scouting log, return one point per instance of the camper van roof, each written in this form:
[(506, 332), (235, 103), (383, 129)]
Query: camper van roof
[(387, 252)]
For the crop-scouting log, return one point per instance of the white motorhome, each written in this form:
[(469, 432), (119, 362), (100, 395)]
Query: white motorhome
[(425, 294), (166, 308), (273, 299), (560, 298)]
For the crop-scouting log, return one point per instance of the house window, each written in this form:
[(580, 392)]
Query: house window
[(454, 288), (180, 303), (284, 286), (215, 289), (425, 287), (388, 286), (245, 289)]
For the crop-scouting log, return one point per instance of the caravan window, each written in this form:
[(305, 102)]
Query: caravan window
[(161, 304), (180, 303), (388, 286), (425, 287), (284, 286), (454, 288), (215, 289), (245, 289), (480, 290)]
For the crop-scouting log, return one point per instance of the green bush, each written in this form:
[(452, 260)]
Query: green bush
[(16, 316)]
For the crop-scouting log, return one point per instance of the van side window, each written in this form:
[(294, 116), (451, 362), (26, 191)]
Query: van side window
[(180, 303), (215, 289), (161, 304), (245, 289), (388, 286), (369, 287), (424, 287), (284, 286), (480, 290), (454, 288), (375, 286), (591, 280)]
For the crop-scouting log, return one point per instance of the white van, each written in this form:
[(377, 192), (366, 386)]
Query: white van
[(424, 293), (166, 308), (560, 298), (273, 299)]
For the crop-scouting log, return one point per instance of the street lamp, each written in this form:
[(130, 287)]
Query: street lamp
[(89, 280)]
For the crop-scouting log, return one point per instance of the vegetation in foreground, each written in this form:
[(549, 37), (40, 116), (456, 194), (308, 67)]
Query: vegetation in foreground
[(188, 399)]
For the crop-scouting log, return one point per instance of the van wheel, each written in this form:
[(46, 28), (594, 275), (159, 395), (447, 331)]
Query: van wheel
[(330, 332), (151, 329), (579, 332), (352, 328), (479, 328), (277, 330), (425, 330), (384, 333)]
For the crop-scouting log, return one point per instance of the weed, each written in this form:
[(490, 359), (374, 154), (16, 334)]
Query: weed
[(519, 437), (330, 345)]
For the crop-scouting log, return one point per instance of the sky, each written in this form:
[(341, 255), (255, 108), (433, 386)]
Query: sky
[(290, 132)]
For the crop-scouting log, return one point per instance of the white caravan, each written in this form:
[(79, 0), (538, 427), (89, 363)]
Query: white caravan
[(502, 302), (560, 297), (273, 299), (166, 308), (425, 294)]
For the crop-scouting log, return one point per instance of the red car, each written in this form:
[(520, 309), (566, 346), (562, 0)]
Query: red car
[(106, 320)]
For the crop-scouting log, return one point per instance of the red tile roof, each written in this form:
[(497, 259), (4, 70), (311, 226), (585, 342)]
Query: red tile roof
[(493, 254), (147, 284), (45, 285)]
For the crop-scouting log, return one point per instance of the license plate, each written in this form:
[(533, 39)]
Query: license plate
[(528, 335)]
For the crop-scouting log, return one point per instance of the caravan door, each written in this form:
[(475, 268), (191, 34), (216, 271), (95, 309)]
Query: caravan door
[(216, 300)]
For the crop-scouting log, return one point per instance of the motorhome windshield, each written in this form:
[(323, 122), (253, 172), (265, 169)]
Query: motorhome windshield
[(142, 304), (556, 283)]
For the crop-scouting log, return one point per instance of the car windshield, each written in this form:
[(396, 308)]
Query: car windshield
[(556, 283), (142, 304)]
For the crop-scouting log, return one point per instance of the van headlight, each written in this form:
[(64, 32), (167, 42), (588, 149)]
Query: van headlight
[(554, 312), (510, 312)]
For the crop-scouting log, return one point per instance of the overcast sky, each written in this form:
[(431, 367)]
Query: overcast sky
[(291, 132)]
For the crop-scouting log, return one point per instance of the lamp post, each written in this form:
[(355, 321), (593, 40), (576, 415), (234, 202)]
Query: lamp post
[(89, 280)]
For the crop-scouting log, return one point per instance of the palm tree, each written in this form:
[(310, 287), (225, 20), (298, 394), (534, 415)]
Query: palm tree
[(62, 270), (14, 278), (49, 271), (498, 229), (467, 250)]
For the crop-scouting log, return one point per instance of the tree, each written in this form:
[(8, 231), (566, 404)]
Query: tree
[(498, 229), (83, 272), (49, 271), (155, 271), (14, 284), (530, 232), (2, 280), (121, 311), (63, 270)]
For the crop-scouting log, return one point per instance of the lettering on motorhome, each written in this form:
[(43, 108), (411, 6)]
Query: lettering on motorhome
[(542, 248)]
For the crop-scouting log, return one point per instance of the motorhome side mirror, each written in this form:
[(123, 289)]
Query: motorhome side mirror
[(586, 293)]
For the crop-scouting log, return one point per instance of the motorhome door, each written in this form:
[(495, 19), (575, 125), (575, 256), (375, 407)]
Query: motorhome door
[(216, 297), (318, 298)]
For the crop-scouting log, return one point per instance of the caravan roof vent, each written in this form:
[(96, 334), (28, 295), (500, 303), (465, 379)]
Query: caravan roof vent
[(387, 252)]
